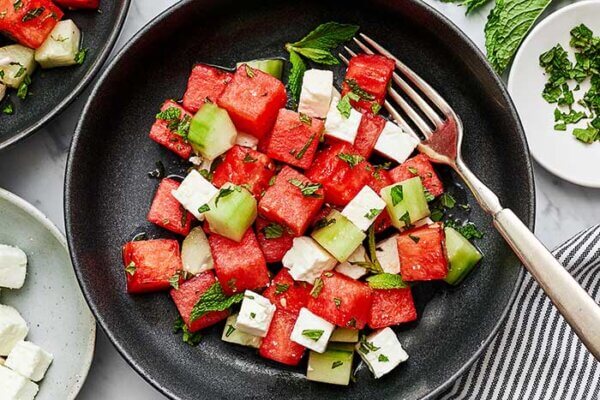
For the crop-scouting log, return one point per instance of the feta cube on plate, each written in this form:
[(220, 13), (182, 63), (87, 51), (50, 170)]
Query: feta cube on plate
[(364, 208), (381, 351), (13, 329), (255, 314), (16, 387), (60, 47), (350, 270), (387, 255), (246, 140), (394, 143), (13, 267), (340, 127), (29, 360), (21, 64), (233, 335), (307, 260), (317, 90), (312, 331), (194, 192)]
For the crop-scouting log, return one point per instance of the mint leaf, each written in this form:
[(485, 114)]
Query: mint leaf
[(386, 281), (314, 334), (214, 299), (327, 36), (273, 231), (507, 25), (318, 55), (344, 106), (397, 194), (587, 135), (296, 74), (351, 159)]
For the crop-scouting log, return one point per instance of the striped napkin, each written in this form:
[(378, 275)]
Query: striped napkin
[(536, 355)]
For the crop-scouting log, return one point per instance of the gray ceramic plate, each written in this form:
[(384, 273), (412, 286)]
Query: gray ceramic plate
[(51, 301)]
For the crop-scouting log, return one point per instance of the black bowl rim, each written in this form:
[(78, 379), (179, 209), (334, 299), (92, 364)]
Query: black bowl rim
[(70, 172), (87, 79)]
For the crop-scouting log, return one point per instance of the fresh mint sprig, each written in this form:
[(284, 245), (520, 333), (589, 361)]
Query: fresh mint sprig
[(316, 47)]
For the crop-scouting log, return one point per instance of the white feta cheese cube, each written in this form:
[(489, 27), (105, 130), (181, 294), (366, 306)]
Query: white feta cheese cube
[(387, 255), (364, 208), (194, 192), (307, 260), (13, 267), (394, 143), (21, 64), (317, 90), (196, 256), (60, 47), (312, 331), (231, 334), (29, 360), (340, 127), (381, 351), (16, 387), (246, 140), (13, 329), (351, 270), (255, 314)]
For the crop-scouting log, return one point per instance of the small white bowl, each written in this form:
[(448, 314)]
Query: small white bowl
[(50, 301), (558, 151)]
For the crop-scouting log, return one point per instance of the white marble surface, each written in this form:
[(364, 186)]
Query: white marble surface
[(34, 169)]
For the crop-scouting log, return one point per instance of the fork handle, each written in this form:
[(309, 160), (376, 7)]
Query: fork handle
[(571, 300)]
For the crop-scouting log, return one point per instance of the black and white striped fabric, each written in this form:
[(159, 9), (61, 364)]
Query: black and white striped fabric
[(536, 355)]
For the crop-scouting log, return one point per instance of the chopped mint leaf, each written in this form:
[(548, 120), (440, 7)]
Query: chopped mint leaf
[(249, 159), (336, 364), (337, 301), (230, 330), (130, 268), (375, 108), (397, 194), (356, 89), (193, 339), (33, 13), (249, 71), (344, 106), (406, 219), (203, 208), (304, 148), (317, 287), (467, 228), (324, 222), (587, 135), (306, 188), (23, 89), (365, 346), (80, 56), (447, 200), (373, 212), (414, 238), (214, 299), (281, 288), (386, 281), (224, 192), (313, 334), (273, 231), (8, 109), (305, 119), (174, 280), (383, 358), (351, 159)]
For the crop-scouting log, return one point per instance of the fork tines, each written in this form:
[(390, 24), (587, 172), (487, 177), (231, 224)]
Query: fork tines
[(425, 118)]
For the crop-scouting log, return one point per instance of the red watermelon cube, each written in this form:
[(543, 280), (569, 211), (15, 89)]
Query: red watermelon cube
[(368, 132), (371, 73), (253, 99), (239, 266), (420, 166), (422, 256), (277, 345), (274, 239), (294, 138), (285, 203), (29, 22), (341, 300), (392, 307), (187, 296), (244, 166), (380, 178), (77, 4), (286, 293), (167, 212), (341, 178), (205, 83), (150, 265), (162, 133)]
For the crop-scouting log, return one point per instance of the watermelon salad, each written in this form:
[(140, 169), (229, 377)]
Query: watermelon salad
[(42, 37), (303, 227)]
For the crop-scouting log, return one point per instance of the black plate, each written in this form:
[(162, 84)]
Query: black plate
[(52, 90), (108, 193)]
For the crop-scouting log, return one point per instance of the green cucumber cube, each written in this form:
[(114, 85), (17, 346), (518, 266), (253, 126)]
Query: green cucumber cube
[(61, 46), (463, 256), (233, 335), (405, 202), (211, 132), (333, 366), (273, 67), (231, 211), (338, 235), (21, 64), (344, 335)]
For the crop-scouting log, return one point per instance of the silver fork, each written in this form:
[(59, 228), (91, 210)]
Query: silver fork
[(443, 134)]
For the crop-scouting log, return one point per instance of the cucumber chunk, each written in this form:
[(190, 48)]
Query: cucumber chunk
[(273, 67), (231, 212), (338, 236), (21, 63), (211, 131), (463, 256), (333, 366), (61, 46), (233, 335), (344, 335), (405, 202)]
